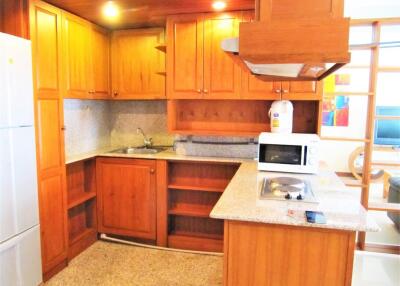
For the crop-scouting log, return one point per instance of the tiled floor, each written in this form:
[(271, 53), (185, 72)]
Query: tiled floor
[(107, 263)]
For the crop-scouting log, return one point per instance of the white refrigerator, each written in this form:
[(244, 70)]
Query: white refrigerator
[(20, 258)]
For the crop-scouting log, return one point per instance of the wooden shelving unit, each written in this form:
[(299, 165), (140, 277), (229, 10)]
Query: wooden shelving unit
[(196, 188), (235, 117), (193, 190), (82, 211)]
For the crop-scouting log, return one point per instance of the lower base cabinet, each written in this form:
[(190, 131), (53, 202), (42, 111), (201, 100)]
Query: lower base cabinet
[(265, 254), (126, 196)]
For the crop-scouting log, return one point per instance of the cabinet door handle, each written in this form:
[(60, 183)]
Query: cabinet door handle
[(199, 90), (115, 93), (152, 171), (285, 91), (205, 91), (63, 128), (277, 91)]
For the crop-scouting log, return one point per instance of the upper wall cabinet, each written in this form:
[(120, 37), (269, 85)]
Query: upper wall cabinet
[(197, 66), (86, 58), (100, 65), (221, 73), (301, 90), (138, 68), (185, 56)]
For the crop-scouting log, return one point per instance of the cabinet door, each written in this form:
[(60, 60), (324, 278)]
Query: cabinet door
[(46, 50), (137, 66), (76, 55), (127, 197), (100, 63), (301, 90), (253, 88), (221, 73), (185, 56)]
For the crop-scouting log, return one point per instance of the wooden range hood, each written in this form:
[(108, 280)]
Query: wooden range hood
[(293, 40)]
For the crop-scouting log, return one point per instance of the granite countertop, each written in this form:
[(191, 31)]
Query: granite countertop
[(168, 154), (341, 207), (240, 201)]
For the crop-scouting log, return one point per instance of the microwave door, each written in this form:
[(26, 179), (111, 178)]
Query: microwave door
[(281, 154)]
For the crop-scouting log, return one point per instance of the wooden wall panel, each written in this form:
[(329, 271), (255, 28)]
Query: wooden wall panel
[(49, 139), (45, 24), (265, 254), (53, 222), (14, 17)]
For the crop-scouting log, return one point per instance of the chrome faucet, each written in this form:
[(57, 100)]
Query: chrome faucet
[(147, 142)]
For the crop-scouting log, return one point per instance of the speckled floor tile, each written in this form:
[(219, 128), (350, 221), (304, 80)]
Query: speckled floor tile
[(107, 263)]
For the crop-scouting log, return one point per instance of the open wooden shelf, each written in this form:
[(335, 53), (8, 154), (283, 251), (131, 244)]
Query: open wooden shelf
[(192, 203), (200, 175), (81, 219), (193, 210), (193, 190), (73, 202), (195, 233), (81, 182), (193, 241), (81, 235), (82, 211), (196, 188), (235, 117)]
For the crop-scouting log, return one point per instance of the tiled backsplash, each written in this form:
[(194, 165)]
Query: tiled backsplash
[(94, 124), (127, 116), (87, 125)]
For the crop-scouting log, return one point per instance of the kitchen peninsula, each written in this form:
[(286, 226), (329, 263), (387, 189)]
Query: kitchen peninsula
[(263, 243)]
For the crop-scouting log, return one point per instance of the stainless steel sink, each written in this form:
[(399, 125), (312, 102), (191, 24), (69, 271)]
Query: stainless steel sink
[(139, 150)]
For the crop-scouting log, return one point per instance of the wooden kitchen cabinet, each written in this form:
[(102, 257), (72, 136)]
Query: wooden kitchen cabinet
[(253, 88), (100, 63), (221, 73), (76, 55), (301, 90), (185, 56), (272, 254), (126, 192), (45, 29), (86, 57), (138, 68), (197, 67)]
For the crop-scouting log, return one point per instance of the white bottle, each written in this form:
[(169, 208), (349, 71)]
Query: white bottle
[(281, 114)]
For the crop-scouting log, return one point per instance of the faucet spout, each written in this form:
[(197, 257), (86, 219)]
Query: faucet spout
[(147, 142)]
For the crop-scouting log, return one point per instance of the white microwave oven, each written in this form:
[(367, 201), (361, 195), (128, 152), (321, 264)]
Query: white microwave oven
[(294, 152)]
